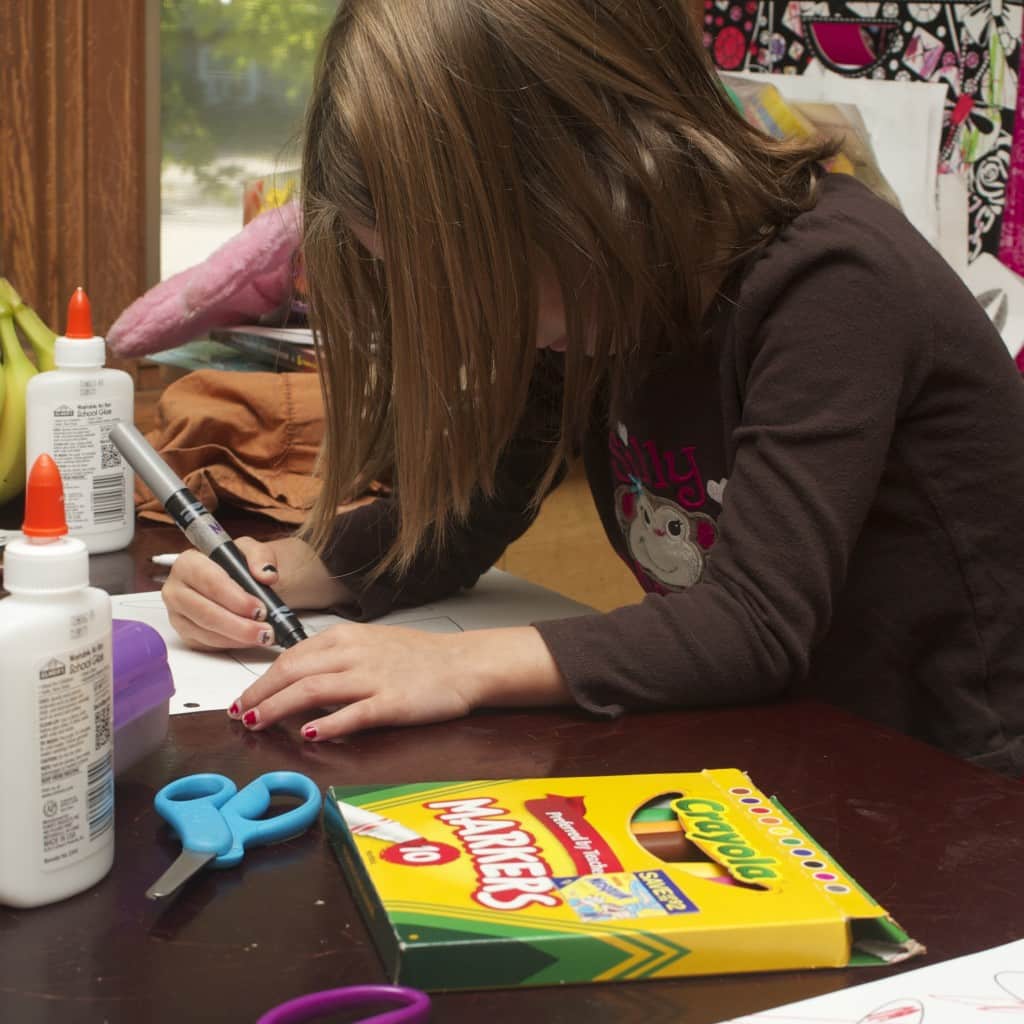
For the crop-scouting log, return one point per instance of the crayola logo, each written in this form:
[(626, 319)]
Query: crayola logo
[(707, 823)]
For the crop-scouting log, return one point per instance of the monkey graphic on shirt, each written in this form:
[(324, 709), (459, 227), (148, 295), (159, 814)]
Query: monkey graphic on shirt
[(667, 542)]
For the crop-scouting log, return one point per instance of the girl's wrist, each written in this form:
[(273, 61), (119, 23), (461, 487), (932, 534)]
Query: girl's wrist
[(303, 579), (511, 668)]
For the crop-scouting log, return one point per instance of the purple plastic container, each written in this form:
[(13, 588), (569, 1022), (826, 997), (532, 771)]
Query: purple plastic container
[(143, 686)]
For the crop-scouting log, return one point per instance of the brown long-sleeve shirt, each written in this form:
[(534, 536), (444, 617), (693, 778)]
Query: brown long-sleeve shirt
[(827, 498)]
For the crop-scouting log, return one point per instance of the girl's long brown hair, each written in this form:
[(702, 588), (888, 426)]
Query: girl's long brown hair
[(476, 137)]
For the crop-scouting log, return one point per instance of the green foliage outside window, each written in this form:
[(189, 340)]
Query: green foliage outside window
[(235, 76)]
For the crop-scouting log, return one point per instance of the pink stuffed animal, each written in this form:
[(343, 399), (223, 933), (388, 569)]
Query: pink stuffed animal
[(250, 275)]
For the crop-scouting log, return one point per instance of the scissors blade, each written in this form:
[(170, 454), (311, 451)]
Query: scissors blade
[(187, 864)]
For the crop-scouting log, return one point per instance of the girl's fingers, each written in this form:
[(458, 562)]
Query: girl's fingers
[(199, 638), (320, 656), (213, 624), (329, 689), (380, 675), (194, 572), (371, 713), (261, 558)]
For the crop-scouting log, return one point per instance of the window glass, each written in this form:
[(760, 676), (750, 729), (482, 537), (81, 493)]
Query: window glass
[(235, 77)]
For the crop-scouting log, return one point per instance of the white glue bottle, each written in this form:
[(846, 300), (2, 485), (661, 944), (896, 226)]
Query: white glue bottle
[(56, 703), (70, 413)]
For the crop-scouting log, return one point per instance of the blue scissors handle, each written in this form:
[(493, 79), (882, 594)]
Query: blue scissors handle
[(191, 806), (210, 815), (244, 810)]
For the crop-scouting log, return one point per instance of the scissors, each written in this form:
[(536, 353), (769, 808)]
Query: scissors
[(413, 1006), (216, 821)]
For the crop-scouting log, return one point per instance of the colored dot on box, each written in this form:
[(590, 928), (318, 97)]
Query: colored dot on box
[(802, 853), (750, 800), (780, 831), (824, 876), (813, 864), (836, 888), (739, 791), (771, 821), (759, 810), (791, 842)]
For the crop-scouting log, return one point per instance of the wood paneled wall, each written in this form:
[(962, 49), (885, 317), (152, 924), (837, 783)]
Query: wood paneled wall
[(73, 168)]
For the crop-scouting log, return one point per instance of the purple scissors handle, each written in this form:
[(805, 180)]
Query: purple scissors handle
[(413, 1005)]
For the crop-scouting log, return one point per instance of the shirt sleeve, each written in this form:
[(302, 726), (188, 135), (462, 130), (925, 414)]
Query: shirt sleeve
[(823, 376), (361, 536)]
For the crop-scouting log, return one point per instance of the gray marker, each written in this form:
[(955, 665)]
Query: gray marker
[(202, 530)]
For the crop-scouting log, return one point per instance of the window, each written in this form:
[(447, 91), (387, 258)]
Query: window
[(235, 77)]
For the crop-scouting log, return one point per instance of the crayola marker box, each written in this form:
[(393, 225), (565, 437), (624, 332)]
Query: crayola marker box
[(494, 884)]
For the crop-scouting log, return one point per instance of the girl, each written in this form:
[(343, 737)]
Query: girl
[(538, 228)]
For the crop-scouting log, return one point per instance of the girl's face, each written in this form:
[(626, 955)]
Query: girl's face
[(550, 310)]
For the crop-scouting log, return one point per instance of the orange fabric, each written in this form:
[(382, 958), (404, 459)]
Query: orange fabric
[(245, 439)]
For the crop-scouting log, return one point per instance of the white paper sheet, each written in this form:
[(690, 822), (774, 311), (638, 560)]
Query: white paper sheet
[(982, 987), (904, 120), (205, 682), (953, 220)]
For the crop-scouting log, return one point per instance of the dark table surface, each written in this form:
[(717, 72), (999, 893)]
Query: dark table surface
[(936, 841)]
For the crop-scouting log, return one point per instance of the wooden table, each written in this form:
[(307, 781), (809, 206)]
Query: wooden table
[(937, 841)]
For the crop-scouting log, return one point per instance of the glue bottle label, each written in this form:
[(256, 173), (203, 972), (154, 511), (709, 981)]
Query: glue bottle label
[(76, 753), (96, 485)]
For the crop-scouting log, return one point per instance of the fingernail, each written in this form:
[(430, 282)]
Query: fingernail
[(267, 637), (234, 711), (251, 717), (270, 568), (309, 732), (260, 614)]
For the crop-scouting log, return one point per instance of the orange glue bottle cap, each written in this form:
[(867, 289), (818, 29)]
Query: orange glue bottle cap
[(44, 561), (79, 348), (79, 315), (44, 500)]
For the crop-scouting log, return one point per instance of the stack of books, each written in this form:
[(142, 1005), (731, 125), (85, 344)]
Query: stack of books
[(275, 348)]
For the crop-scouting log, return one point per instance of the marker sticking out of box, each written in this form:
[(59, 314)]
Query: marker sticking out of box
[(362, 822)]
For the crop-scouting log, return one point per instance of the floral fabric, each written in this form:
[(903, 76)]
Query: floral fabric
[(972, 48)]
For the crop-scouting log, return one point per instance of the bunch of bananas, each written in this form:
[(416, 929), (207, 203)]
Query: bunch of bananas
[(15, 374)]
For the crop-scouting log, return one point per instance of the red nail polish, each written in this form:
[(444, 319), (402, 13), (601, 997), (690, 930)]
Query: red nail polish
[(234, 711), (309, 732), (251, 717)]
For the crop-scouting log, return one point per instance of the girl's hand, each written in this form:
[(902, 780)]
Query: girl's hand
[(387, 675), (212, 612)]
